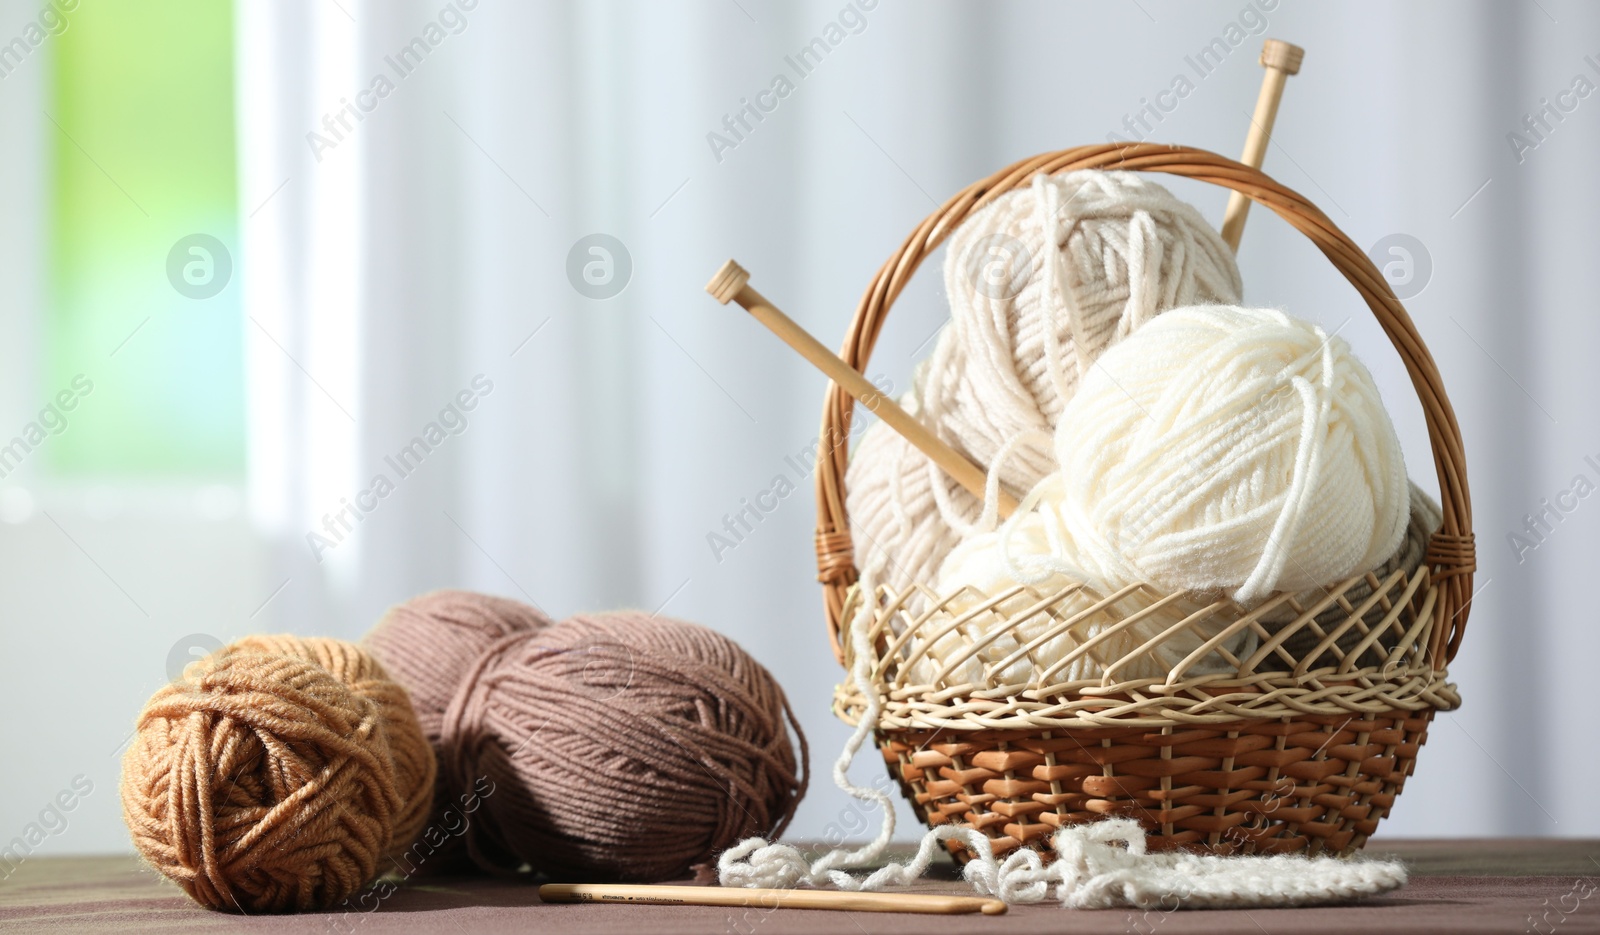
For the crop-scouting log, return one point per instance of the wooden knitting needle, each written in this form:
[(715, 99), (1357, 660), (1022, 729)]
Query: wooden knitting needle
[(732, 284), (767, 899), (1281, 60)]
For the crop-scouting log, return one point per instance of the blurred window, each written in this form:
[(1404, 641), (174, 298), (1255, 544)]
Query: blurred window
[(142, 290)]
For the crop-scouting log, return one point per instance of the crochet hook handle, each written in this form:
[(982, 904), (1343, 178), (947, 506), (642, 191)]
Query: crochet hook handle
[(617, 893), (1281, 59), (732, 284)]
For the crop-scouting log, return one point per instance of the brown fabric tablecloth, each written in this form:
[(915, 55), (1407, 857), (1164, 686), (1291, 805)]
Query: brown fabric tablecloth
[(1502, 886)]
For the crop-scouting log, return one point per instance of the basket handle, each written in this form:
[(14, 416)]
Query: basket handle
[(1450, 554)]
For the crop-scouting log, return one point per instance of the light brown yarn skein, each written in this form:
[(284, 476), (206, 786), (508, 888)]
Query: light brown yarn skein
[(428, 644), (621, 746), (430, 641), (275, 774)]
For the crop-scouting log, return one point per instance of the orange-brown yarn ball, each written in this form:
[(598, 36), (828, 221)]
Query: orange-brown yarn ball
[(275, 774)]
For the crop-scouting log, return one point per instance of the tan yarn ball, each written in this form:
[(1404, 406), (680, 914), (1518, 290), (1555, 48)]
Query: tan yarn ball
[(275, 775), (1041, 281)]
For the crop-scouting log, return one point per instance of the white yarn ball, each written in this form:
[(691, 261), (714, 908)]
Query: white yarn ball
[(1041, 281), (1231, 449), (1219, 449)]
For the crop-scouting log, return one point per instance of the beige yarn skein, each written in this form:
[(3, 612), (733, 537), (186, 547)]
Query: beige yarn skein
[(1041, 281)]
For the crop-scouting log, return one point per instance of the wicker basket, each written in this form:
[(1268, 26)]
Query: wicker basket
[(1299, 746)]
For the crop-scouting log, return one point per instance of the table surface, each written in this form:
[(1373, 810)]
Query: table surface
[(1503, 886)]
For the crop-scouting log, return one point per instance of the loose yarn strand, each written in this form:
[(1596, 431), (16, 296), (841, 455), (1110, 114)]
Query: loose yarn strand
[(1316, 404), (757, 862), (1057, 299)]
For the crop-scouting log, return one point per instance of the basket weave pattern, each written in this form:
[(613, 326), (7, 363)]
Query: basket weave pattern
[(1404, 681), (1251, 737), (1310, 784)]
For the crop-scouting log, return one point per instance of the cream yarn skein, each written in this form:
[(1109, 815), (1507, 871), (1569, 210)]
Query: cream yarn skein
[(1040, 281), (1174, 473)]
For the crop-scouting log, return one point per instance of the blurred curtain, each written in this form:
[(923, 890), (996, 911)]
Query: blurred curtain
[(400, 251)]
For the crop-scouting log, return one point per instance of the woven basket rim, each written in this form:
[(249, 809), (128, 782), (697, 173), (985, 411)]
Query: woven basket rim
[(1450, 554), (1332, 677)]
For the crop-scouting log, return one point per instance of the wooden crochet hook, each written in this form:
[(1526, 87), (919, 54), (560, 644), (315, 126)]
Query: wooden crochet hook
[(1281, 59), (732, 284), (767, 899)]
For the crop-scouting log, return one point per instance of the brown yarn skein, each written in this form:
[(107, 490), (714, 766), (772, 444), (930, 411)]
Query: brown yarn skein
[(621, 746), (275, 774), (430, 642)]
